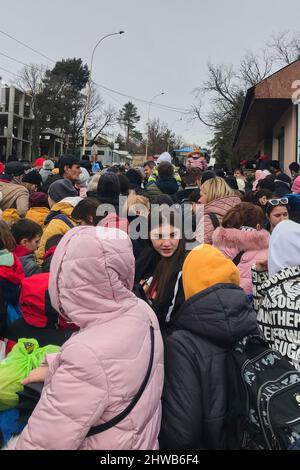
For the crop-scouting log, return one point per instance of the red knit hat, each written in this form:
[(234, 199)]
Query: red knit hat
[(39, 162)]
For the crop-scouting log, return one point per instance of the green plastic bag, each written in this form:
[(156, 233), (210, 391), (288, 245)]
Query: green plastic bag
[(25, 356)]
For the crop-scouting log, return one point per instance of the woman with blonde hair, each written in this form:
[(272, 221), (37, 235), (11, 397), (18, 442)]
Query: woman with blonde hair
[(137, 205), (217, 198)]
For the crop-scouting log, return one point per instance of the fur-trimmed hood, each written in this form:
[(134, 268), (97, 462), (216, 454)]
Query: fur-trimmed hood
[(240, 240)]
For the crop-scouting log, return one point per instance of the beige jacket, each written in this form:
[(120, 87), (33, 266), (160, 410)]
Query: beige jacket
[(14, 196)]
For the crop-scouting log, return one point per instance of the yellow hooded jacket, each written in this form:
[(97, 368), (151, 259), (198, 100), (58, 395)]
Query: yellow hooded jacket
[(55, 226), (38, 215)]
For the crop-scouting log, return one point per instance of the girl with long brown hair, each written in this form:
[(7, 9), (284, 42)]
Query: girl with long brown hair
[(159, 268)]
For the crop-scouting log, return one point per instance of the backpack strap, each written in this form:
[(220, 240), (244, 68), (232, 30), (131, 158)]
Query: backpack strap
[(214, 220), (117, 419), (64, 219), (238, 258)]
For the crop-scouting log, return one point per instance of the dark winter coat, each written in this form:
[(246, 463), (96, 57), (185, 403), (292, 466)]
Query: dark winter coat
[(183, 195), (281, 189), (112, 201), (28, 261), (167, 185), (195, 391)]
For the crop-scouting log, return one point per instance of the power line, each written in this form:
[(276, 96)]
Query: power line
[(12, 73), (157, 105), (26, 45), (113, 98), (12, 58), (161, 106)]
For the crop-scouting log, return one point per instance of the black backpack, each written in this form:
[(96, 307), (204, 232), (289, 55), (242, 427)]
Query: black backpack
[(263, 397)]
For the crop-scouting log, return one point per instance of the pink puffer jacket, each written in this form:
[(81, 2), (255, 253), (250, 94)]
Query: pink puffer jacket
[(219, 207), (253, 243), (99, 369)]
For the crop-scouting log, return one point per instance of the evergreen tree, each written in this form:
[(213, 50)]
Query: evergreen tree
[(128, 117)]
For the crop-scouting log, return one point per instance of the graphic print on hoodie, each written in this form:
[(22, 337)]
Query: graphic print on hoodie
[(277, 297)]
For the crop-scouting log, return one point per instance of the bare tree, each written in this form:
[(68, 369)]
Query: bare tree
[(286, 48), (197, 113), (221, 79), (106, 118), (31, 79), (223, 89), (219, 101), (31, 82), (100, 118), (161, 138), (79, 113), (254, 69)]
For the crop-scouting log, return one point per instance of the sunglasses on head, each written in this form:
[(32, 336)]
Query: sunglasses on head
[(279, 202)]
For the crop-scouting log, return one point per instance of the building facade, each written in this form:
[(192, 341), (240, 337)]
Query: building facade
[(16, 119), (270, 120), (52, 143)]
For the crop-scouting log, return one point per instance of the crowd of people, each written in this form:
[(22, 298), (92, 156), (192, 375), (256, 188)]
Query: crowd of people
[(145, 278)]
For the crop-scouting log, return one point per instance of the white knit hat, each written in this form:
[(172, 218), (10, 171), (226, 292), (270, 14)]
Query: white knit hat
[(48, 165), (164, 157)]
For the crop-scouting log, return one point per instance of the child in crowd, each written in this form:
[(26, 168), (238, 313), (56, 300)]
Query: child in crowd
[(11, 273), (27, 235), (38, 208), (85, 213), (39, 319)]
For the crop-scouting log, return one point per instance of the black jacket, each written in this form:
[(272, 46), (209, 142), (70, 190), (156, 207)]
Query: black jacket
[(51, 179), (167, 185), (195, 397), (184, 194), (281, 189)]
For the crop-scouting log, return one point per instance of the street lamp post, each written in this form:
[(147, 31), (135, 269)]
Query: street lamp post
[(147, 138), (87, 105)]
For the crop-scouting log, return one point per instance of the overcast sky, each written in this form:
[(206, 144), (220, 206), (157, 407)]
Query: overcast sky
[(166, 46)]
